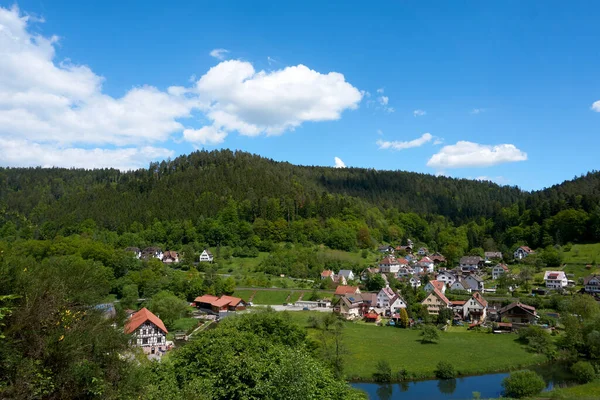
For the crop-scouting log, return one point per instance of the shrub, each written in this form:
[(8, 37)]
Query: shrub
[(584, 371), (429, 334), (383, 372), (523, 384), (445, 370)]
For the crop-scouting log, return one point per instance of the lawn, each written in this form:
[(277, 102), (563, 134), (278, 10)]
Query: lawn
[(268, 297), (470, 352), (589, 391)]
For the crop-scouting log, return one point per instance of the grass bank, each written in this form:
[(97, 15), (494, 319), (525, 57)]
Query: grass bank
[(471, 353), (587, 391)]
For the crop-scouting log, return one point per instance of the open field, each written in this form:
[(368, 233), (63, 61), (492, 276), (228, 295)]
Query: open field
[(278, 296), (583, 254), (470, 352)]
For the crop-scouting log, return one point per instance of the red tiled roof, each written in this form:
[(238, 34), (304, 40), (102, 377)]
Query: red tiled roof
[(227, 301), (441, 296), (477, 296), (342, 290), (458, 302), (372, 316), (207, 298), (326, 273), (439, 285), (142, 316)]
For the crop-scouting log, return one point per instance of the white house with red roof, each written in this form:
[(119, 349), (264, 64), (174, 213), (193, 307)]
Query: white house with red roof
[(327, 274), (389, 265), (555, 279), (499, 270), (148, 332), (435, 284), (384, 297), (523, 252), (475, 309), (344, 290), (427, 264)]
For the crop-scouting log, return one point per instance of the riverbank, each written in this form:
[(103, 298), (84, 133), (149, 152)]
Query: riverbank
[(588, 391), (471, 353)]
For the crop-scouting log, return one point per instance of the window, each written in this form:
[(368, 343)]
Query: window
[(145, 341)]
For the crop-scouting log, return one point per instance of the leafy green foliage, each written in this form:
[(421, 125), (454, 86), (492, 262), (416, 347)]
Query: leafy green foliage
[(445, 370), (583, 371), (429, 334), (383, 372), (168, 307), (523, 384)]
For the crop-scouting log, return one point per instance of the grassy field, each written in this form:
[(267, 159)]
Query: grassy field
[(583, 254), (589, 391), (276, 297), (470, 352)]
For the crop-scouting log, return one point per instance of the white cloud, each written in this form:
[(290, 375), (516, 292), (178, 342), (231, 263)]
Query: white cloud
[(250, 102), (596, 106), (380, 90), (419, 113), (477, 110), (53, 104), (339, 163), (438, 141), (397, 145), (205, 135), (469, 154), (23, 153), (219, 54), (384, 100)]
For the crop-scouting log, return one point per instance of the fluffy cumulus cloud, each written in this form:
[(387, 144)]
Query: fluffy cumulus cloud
[(55, 104), (257, 102), (219, 54), (398, 145), (469, 154), (596, 106), (339, 163)]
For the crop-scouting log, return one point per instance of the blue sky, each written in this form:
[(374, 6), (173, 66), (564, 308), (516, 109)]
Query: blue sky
[(501, 91)]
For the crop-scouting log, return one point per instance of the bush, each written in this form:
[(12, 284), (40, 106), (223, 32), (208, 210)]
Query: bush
[(584, 371), (445, 370), (523, 384), (383, 373), (429, 334)]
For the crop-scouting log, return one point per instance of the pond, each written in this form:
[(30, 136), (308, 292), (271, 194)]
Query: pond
[(489, 386)]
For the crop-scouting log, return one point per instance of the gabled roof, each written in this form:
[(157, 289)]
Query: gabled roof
[(227, 301), (524, 307), (526, 249), (438, 257), (402, 261), (493, 254), (588, 279), (470, 260), (326, 273), (396, 297), (440, 296), (439, 285), (170, 254), (367, 297), (477, 296), (206, 298), (504, 267), (345, 273), (461, 281), (389, 261), (388, 292), (476, 277), (142, 316), (342, 290), (458, 302), (426, 260), (207, 252)]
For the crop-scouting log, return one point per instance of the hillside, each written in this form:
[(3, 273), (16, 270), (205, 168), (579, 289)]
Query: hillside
[(265, 198)]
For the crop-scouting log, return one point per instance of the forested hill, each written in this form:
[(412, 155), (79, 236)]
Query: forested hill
[(205, 184)]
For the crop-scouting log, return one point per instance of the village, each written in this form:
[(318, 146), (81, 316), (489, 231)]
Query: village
[(461, 296)]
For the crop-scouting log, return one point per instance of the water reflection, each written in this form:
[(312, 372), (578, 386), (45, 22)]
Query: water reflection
[(447, 386), (384, 392)]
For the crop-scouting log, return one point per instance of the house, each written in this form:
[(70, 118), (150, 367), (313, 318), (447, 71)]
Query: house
[(369, 271), (458, 308), (170, 256), (423, 251), (591, 284), (523, 252), (461, 284), (396, 304), (475, 309), (135, 250), (384, 297), (217, 305), (432, 285), (427, 264), (348, 307), (475, 282), (438, 258), (347, 274), (415, 282), (389, 265), (492, 255), (518, 313), (151, 252), (436, 301), (327, 274), (345, 290), (470, 263), (148, 332), (499, 270), (386, 249), (404, 272), (447, 277), (372, 317), (339, 280), (206, 256), (555, 279), (408, 248)]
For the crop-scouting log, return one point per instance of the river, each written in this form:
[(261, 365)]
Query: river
[(489, 386)]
